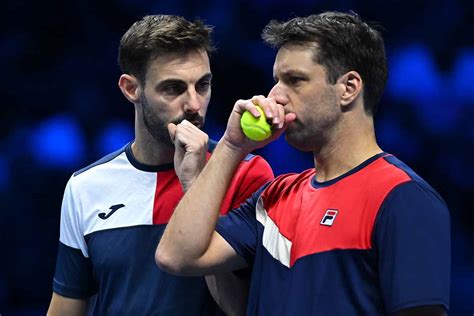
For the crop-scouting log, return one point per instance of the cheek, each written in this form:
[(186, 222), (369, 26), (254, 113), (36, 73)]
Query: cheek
[(164, 106), (159, 101), (205, 104), (304, 108)]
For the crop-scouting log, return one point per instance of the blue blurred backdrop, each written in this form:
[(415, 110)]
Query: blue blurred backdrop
[(62, 110)]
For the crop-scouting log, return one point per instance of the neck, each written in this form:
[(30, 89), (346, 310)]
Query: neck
[(348, 148), (149, 151)]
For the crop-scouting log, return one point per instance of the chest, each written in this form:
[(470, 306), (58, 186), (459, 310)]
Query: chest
[(315, 221)]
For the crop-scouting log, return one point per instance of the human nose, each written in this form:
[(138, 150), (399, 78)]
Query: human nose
[(192, 103), (277, 93)]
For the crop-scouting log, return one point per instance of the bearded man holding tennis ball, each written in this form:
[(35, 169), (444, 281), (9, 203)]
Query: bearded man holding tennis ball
[(358, 234)]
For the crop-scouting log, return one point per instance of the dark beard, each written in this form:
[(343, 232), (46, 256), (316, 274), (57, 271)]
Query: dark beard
[(158, 128)]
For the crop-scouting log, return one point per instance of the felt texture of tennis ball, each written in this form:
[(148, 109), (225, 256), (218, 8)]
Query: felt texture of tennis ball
[(255, 128)]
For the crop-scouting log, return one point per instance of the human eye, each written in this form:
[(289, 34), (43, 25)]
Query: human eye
[(173, 89), (294, 80), (203, 86)]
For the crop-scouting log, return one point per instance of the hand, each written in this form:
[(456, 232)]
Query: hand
[(274, 112), (190, 151)]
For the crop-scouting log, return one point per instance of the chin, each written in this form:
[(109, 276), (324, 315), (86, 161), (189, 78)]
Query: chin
[(298, 141)]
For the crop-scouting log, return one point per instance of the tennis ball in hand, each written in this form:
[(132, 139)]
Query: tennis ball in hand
[(255, 128)]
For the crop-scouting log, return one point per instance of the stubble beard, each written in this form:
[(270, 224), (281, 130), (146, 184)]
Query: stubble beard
[(315, 132), (157, 127)]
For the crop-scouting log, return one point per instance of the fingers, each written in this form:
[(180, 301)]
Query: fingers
[(172, 130), (281, 114), (188, 135), (191, 146), (269, 107), (246, 105), (274, 112)]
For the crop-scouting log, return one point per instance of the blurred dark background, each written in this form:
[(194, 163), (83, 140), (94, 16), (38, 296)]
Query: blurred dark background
[(61, 110)]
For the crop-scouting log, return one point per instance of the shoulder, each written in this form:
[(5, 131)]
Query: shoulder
[(407, 181), (285, 183), (103, 160), (382, 177), (412, 199), (96, 173)]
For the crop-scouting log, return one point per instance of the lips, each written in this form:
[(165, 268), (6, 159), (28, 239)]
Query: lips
[(196, 120)]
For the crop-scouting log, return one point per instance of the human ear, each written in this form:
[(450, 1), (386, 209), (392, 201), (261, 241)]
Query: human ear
[(351, 87), (129, 86)]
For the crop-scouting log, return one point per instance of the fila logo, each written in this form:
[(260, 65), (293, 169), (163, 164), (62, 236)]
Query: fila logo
[(329, 217)]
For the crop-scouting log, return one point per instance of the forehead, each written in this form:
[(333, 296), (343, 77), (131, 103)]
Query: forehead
[(187, 66), (296, 58)]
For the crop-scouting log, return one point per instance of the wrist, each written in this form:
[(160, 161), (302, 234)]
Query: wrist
[(230, 150)]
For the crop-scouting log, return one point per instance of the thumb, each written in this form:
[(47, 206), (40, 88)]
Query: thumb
[(172, 130)]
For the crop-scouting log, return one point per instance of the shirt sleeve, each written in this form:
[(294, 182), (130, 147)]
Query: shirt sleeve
[(239, 227), (73, 276), (412, 239)]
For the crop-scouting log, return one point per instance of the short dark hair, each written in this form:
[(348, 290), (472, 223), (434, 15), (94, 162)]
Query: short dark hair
[(344, 42), (155, 35)]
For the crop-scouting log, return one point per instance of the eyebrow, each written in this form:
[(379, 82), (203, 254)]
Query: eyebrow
[(207, 76), (290, 73)]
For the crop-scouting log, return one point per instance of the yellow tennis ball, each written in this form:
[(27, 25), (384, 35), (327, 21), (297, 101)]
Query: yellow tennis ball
[(255, 128)]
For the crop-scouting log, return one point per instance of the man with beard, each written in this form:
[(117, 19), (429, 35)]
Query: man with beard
[(360, 233), (115, 210)]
